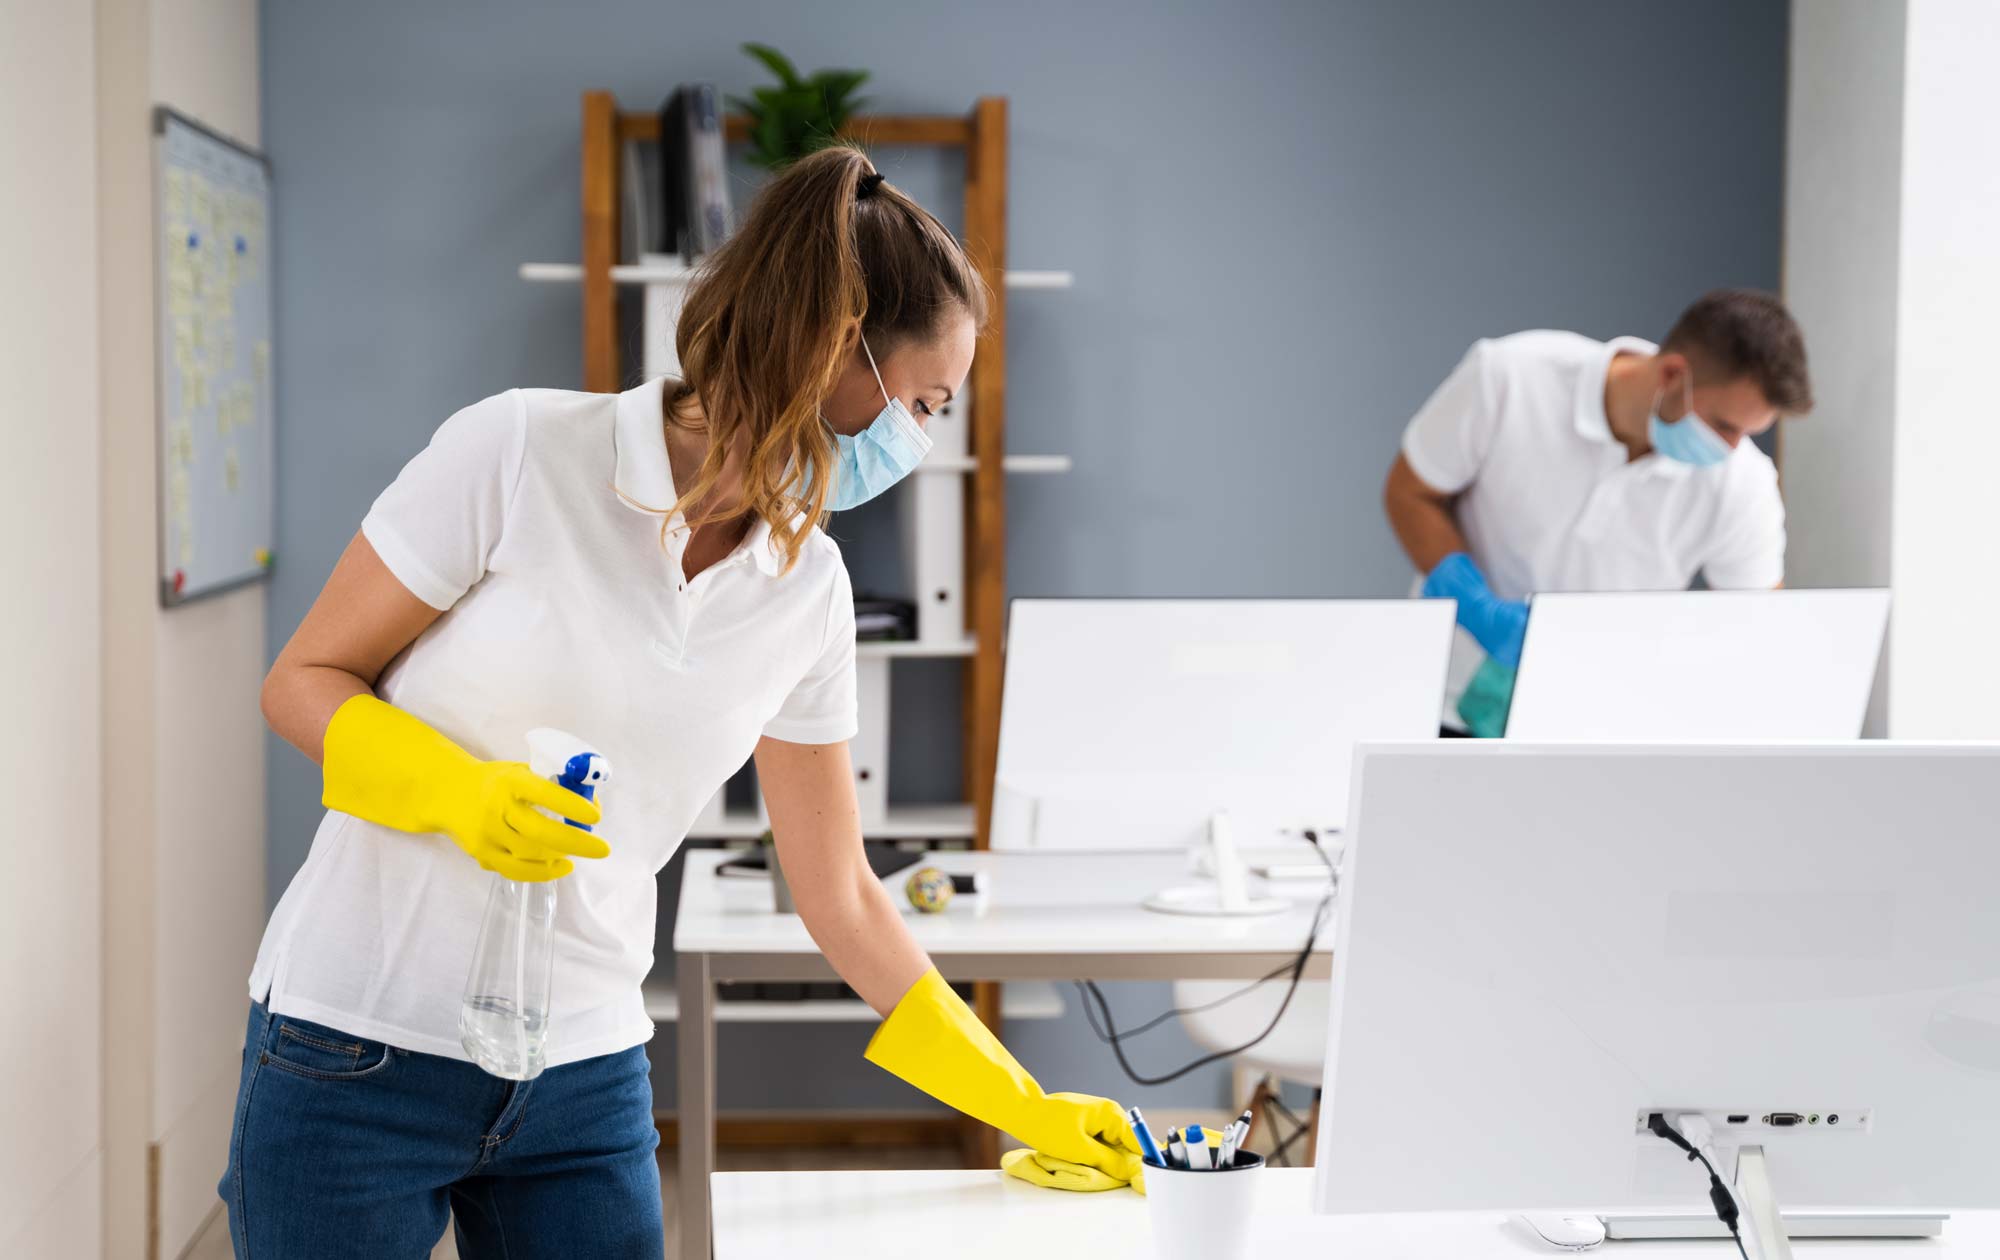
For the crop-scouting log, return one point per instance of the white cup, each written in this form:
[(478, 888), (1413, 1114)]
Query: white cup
[(1203, 1214)]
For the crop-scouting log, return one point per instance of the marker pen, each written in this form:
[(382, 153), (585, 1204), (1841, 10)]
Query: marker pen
[(1199, 1157)]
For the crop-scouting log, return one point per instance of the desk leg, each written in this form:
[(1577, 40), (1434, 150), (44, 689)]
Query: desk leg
[(980, 1143), (695, 1101)]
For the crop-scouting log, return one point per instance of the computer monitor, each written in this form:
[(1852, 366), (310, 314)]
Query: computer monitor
[(1698, 665), (1130, 723), (1539, 945)]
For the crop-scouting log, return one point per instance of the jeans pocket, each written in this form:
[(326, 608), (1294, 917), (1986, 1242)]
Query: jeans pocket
[(320, 1053)]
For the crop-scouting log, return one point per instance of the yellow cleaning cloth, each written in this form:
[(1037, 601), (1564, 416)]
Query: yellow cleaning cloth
[(1059, 1174)]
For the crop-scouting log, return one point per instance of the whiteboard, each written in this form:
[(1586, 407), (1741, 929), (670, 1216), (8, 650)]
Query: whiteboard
[(213, 334), (1698, 665), (1126, 723)]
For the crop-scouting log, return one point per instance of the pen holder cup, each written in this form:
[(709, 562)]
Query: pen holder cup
[(1204, 1214)]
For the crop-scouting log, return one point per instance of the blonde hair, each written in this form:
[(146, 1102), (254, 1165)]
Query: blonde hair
[(827, 246)]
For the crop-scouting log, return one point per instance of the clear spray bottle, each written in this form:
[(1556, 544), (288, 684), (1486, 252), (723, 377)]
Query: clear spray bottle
[(504, 1022)]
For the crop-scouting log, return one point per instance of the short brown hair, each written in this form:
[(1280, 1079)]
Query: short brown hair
[(1731, 334)]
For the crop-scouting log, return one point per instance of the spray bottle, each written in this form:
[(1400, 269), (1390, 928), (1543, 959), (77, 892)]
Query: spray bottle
[(504, 1022)]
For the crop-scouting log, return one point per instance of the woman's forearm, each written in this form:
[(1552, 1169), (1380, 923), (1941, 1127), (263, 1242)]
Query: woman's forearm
[(817, 824), (299, 701), (858, 928), (363, 617)]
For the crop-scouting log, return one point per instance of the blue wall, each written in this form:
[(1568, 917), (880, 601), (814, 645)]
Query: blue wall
[(1287, 221)]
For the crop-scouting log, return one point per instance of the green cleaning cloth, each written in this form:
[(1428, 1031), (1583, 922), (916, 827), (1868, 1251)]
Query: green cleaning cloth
[(1483, 706)]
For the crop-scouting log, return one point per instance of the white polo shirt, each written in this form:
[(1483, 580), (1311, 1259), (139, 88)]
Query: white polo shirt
[(562, 609), (1549, 500)]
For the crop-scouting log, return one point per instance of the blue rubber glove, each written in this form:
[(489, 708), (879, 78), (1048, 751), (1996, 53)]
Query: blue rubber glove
[(1498, 624)]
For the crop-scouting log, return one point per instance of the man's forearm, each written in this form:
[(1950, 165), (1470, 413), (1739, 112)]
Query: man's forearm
[(1420, 517)]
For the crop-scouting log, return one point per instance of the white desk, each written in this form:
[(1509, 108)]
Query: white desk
[(1042, 916), (974, 1215)]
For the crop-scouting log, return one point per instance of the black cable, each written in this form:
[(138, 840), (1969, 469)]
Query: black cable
[(1111, 1036), (1178, 1011), (1719, 1196)]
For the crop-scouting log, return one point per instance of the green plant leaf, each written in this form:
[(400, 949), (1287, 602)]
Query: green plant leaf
[(751, 108), (776, 62), (836, 83), (771, 150), (796, 115)]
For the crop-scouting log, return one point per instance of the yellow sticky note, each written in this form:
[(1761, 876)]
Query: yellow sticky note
[(177, 196), (231, 470)]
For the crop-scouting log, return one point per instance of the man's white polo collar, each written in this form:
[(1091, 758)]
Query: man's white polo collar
[(1591, 422)]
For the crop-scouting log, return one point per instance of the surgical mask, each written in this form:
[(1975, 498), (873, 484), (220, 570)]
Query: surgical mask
[(1687, 440), (880, 455)]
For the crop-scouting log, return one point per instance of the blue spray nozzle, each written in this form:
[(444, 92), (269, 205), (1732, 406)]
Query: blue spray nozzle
[(582, 773), (568, 762)]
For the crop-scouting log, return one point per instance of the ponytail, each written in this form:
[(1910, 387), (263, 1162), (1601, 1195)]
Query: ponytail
[(827, 247)]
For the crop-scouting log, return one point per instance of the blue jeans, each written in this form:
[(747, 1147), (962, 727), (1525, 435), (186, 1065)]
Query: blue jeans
[(345, 1147)]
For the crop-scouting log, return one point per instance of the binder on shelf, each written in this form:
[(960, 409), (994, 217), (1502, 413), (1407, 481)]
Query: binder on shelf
[(933, 528), (870, 746), (694, 173), (639, 228), (664, 298)]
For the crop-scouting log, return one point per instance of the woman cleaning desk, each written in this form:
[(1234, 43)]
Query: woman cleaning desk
[(646, 570)]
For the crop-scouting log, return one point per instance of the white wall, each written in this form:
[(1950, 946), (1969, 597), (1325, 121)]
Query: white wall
[(185, 834), (50, 784), (1947, 423), (1843, 198), (1892, 193)]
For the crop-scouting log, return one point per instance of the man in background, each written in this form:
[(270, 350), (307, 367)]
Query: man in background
[(1549, 461)]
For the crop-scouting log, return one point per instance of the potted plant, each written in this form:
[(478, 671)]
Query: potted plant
[(798, 115)]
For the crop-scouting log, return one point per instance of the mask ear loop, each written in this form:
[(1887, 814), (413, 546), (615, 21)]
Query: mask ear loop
[(877, 371)]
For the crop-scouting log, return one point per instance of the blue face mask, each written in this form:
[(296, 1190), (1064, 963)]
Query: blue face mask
[(1687, 440), (880, 455)]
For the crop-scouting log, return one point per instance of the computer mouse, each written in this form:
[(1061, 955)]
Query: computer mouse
[(1571, 1233)]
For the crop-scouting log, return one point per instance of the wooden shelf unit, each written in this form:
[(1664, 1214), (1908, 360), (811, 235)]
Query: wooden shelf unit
[(982, 136)]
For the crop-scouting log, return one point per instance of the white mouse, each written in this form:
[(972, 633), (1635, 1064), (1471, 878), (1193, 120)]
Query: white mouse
[(1571, 1233)]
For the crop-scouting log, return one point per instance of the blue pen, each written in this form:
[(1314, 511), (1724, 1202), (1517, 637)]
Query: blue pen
[(1148, 1148)]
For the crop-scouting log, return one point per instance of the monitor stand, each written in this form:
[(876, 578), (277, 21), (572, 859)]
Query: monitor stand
[(1767, 1232), (1229, 896), (1762, 1225)]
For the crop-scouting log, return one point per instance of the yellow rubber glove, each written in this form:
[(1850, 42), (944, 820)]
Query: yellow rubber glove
[(383, 765), (935, 1042)]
